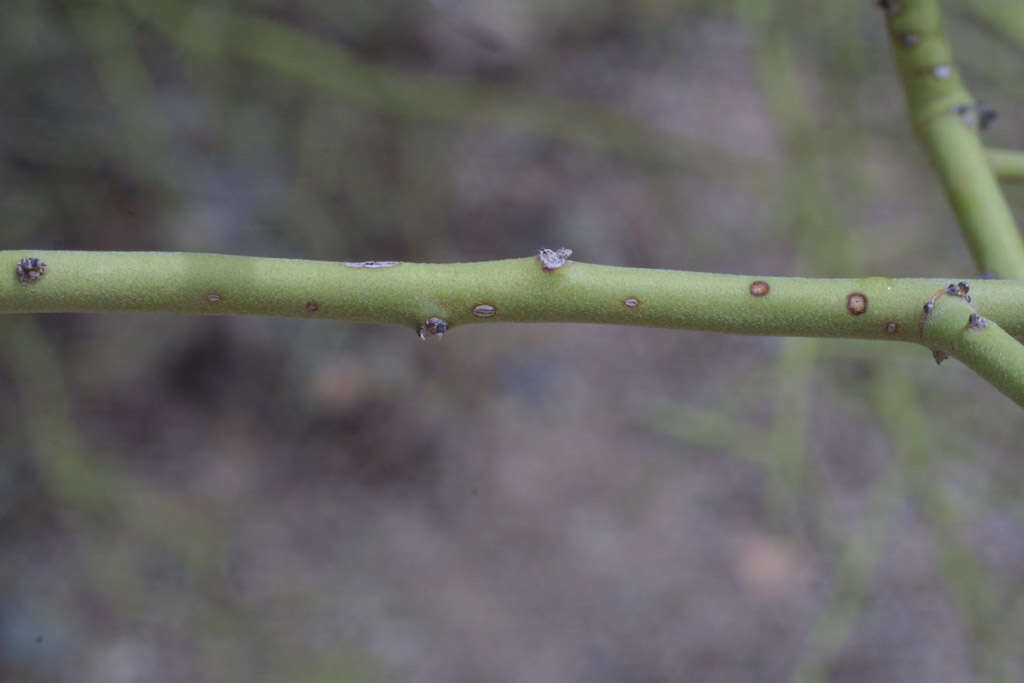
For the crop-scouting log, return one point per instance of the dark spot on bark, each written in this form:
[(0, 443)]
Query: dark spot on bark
[(909, 40), (553, 259), (432, 327), (30, 269), (759, 288), (891, 7), (857, 303)]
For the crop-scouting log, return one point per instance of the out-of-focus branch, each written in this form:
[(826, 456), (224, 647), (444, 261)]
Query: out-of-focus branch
[(1007, 164), (946, 119)]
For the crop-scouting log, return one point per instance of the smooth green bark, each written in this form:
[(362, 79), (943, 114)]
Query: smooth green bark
[(518, 290), (946, 119)]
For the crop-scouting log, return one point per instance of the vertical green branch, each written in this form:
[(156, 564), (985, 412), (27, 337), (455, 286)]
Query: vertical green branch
[(945, 117)]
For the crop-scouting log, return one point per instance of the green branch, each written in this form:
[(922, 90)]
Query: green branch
[(1007, 164), (516, 290), (954, 327), (946, 119)]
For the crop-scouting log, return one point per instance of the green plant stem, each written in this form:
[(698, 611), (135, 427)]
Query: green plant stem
[(987, 349), (1007, 164), (943, 114), (520, 290)]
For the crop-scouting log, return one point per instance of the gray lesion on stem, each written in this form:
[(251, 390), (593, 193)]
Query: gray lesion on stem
[(909, 39), (977, 116), (370, 264), (30, 269), (432, 327), (553, 259)]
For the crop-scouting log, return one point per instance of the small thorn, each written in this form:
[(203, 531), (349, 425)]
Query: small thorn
[(939, 356), (432, 327), (976, 322), (553, 259), (986, 116)]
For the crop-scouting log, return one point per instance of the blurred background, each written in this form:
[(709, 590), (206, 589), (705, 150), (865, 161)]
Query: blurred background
[(227, 499)]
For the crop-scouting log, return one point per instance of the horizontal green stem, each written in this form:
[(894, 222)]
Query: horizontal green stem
[(514, 290), (1007, 164)]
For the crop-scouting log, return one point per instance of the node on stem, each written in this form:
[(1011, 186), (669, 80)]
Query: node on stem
[(30, 269), (553, 259), (432, 327)]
